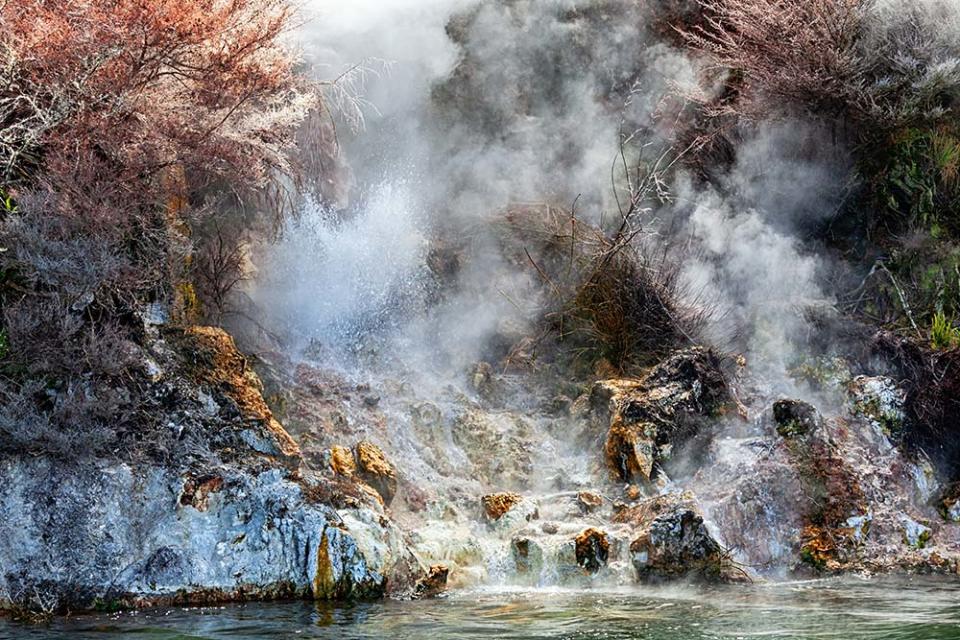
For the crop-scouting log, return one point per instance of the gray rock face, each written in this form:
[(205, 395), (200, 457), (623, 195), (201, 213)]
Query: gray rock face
[(100, 535)]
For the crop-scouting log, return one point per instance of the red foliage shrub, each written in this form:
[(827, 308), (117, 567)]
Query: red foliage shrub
[(136, 87)]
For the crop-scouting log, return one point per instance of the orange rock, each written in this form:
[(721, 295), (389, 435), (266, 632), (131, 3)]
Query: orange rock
[(497, 504), (376, 470), (589, 502), (433, 583), (630, 450), (218, 363), (342, 461)]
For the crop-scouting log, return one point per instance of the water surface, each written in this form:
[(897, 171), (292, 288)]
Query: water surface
[(914, 608)]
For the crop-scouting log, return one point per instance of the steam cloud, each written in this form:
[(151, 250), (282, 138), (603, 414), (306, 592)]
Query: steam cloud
[(490, 103)]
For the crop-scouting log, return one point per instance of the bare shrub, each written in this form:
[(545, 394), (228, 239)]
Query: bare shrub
[(847, 59), (612, 300)]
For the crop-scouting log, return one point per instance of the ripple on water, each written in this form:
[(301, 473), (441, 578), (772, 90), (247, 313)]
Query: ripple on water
[(887, 609)]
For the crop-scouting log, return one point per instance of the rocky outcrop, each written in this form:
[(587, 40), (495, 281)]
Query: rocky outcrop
[(217, 364), (374, 468), (672, 541), (592, 549), (100, 534), (495, 505), (432, 584), (644, 418)]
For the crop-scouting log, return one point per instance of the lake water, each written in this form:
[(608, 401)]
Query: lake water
[(915, 608)]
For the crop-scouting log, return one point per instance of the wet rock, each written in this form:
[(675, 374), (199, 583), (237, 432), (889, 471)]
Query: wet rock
[(130, 536), (432, 584), (592, 549), (374, 469), (678, 544), (589, 502), (527, 555), (550, 528), (880, 401), (495, 505), (915, 534), (645, 417), (795, 418)]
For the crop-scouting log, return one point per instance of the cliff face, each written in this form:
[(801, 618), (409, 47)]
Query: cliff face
[(237, 518)]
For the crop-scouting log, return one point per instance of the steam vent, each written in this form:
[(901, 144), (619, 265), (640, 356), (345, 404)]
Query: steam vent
[(480, 319)]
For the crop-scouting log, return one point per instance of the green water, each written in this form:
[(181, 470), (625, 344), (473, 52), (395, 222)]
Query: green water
[(917, 608)]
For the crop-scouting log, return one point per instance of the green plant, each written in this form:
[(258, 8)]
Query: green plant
[(917, 179), (7, 204), (943, 335)]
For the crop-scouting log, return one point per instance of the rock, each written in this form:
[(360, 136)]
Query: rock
[(107, 533), (631, 450), (678, 544), (374, 469), (550, 528), (432, 584), (880, 401), (196, 492), (915, 534), (527, 555), (592, 549), (589, 502), (950, 503), (633, 492), (342, 461), (219, 364), (795, 418), (559, 405), (644, 417), (496, 505), (483, 381), (371, 401), (498, 444)]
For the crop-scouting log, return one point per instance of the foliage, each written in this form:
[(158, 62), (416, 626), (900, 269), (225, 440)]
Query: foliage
[(858, 60), (915, 181), (943, 334), (204, 84), (119, 122)]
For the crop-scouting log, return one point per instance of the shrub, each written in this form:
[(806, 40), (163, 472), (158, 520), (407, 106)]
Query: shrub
[(611, 299), (119, 123), (855, 60)]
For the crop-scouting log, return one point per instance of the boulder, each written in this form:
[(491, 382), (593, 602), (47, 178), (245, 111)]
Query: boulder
[(589, 502), (374, 469), (795, 418), (677, 544), (432, 584), (592, 549), (495, 505), (527, 555), (645, 417)]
